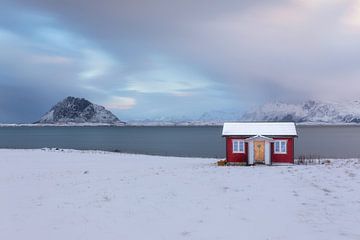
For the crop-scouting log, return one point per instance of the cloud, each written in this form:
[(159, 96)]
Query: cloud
[(238, 51), (50, 59), (48, 63), (352, 18), (166, 77), (289, 43), (121, 103), (96, 64)]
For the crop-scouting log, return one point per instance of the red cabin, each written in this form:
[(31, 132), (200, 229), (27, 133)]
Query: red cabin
[(249, 143)]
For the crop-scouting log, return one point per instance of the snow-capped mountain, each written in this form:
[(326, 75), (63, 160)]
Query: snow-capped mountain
[(73, 110), (220, 116), (309, 111), (305, 112), (207, 118)]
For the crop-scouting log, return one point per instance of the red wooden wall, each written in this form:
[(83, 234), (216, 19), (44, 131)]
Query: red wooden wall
[(235, 157), (275, 158), (284, 158)]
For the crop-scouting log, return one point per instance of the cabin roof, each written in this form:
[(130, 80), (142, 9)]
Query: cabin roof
[(259, 128)]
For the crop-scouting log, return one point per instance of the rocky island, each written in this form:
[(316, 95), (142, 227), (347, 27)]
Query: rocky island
[(78, 111)]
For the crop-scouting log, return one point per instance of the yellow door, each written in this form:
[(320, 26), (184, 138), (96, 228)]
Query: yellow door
[(259, 151)]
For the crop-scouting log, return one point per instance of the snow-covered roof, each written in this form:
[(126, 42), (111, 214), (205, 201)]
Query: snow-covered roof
[(259, 128)]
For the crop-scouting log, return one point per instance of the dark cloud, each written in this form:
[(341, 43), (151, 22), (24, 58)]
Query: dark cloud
[(236, 39), (245, 51), (23, 104)]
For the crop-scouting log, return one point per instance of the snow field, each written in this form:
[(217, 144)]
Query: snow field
[(48, 194)]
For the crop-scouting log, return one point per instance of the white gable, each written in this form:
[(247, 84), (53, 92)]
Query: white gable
[(259, 128), (258, 137)]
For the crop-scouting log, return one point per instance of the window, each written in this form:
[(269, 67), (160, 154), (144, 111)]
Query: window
[(238, 146), (280, 146)]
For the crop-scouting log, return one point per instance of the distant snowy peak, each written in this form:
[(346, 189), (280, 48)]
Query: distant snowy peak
[(309, 111), (79, 111), (220, 116), (210, 118)]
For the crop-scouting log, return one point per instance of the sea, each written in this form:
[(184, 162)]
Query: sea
[(183, 141)]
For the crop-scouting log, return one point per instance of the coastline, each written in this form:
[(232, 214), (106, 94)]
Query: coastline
[(165, 124)]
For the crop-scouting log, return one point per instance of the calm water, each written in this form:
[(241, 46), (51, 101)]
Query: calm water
[(328, 141)]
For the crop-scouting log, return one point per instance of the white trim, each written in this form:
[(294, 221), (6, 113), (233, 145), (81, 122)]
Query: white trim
[(267, 153), (259, 137), (239, 142), (251, 153), (280, 141)]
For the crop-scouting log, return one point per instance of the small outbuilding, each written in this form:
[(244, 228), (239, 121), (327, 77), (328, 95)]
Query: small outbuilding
[(249, 143)]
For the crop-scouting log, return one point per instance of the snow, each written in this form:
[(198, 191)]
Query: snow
[(308, 111), (150, 123), (259, 128), (48, 116), (68, 194)]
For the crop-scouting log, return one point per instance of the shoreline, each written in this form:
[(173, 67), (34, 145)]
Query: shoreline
[(307, 124), (93, 151)]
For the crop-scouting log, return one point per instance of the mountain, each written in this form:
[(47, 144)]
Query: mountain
[(208, 118), (309, 111), (219, 116), (305, 112), (73, 110)]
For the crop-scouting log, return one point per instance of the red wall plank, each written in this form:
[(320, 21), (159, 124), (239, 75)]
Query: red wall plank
[(275, 158), (283, 158), (235, 157)]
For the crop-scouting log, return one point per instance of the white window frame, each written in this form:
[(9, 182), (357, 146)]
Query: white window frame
[(239, 143), (280, 143)]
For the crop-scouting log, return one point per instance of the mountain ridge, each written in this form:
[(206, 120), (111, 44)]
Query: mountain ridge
[(73, 110), (307, 112)]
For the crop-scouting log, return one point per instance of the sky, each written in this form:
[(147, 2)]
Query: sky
[(155, 59)]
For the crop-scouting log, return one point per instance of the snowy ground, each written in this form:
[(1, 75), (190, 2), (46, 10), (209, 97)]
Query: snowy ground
[(95, 195)]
